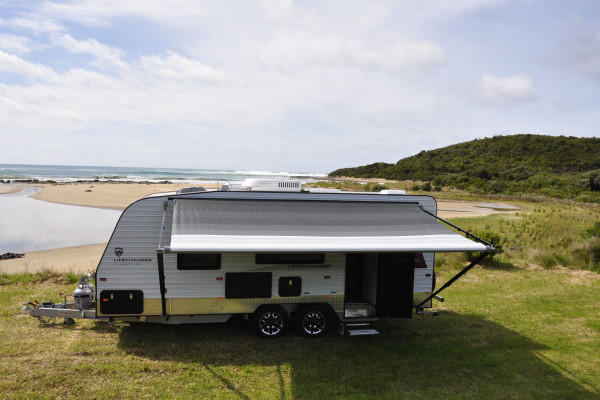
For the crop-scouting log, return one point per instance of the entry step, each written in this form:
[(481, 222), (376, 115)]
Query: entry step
[(357, 329), (359, 332)]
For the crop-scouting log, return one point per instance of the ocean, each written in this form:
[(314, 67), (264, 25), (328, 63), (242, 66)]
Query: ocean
[(69, 173)]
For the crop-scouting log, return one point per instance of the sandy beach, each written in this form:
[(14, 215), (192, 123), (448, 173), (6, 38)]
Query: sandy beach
[(78, 260), (114, 196), (8, 189), (117, 196)]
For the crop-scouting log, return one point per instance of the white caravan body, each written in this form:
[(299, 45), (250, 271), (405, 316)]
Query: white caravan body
[(205, 256)]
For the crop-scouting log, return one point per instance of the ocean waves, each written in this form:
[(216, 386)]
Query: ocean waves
[(70, 174)]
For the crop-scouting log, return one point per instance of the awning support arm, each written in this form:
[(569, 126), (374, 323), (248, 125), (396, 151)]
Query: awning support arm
[(161, 266), (489, 250), (469, 235), (454, 279)]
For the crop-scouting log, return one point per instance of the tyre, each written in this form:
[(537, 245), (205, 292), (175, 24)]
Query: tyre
[(270, 321), (313, 321)]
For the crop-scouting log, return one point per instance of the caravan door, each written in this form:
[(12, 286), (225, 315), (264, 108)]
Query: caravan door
[(395, 279)]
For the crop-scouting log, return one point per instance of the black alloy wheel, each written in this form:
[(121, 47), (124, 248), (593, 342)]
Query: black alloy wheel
[(313, 321), (270, 321)]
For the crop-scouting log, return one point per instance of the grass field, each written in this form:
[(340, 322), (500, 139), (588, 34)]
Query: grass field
[(502, 333)]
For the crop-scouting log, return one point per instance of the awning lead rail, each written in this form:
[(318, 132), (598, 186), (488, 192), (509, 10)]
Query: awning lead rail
[(161, 265)]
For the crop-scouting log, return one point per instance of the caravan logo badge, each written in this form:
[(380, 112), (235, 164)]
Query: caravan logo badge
[(118, 251)]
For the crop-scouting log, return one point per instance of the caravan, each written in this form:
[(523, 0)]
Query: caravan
[(275, 253)]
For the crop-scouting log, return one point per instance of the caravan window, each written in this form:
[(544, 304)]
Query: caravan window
[(198, 261), (290, 258)]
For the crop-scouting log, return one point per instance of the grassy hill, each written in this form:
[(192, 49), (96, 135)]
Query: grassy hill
[(557, 166)]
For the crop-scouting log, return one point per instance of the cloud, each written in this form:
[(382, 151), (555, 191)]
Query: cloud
[(14, 44), (14, 64), (107, 12), (141, 148), (35, 23), (582, 46), (51, 147), (277, 9), (502, 91), (300, 50), (177, 67), (12, 106), (92, 47)]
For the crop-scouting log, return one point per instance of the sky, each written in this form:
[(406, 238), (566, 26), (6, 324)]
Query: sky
[(284, 85)]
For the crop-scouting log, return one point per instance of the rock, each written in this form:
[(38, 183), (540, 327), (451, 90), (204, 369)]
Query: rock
[(8, 256)]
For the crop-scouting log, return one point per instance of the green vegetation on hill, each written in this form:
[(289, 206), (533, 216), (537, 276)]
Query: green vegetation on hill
[(556, 166)]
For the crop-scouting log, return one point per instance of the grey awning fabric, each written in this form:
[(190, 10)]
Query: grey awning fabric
[(296, 225)]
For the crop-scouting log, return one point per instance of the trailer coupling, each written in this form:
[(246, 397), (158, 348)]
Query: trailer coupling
[(83, 305), (48, 312)]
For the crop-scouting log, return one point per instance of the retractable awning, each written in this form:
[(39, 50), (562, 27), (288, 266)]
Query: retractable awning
[(228, 225)]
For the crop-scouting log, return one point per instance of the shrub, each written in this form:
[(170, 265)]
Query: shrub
[(545, 258), (595, 250), (594, 181), (588, 257), (375, 187), (493, 237), (593, 231)]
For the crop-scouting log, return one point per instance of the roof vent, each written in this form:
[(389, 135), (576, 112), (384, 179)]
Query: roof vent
[(192, 189), (391, 191), (272, 185)]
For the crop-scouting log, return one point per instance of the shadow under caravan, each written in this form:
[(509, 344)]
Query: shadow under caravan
[(379, 285)]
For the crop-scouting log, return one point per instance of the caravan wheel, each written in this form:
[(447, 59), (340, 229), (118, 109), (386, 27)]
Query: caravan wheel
[(313, 321), (270, 321)]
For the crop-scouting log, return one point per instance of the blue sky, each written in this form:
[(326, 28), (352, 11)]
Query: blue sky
[(299, 86)]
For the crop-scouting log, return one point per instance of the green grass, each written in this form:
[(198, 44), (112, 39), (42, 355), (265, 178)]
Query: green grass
[(503, 333), (546, 233), (41, 276)]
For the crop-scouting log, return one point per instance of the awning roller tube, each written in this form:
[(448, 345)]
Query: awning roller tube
[(240, 243)]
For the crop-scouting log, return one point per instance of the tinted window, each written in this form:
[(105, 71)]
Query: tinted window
[(199, 261), (290, 258)]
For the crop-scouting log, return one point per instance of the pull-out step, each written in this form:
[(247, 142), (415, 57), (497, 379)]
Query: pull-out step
[(357, 328)]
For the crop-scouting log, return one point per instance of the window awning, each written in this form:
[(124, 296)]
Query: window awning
[(225, 225)]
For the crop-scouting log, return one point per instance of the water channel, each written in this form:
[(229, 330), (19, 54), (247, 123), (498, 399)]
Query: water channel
[(27, 224)]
